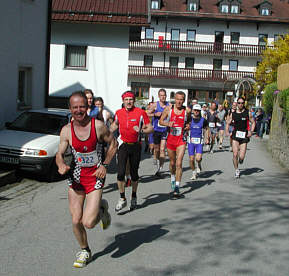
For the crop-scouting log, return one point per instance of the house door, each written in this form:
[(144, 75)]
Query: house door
[(219, 38)]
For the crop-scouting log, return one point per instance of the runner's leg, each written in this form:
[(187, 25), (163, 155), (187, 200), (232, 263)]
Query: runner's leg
[(236, 147)]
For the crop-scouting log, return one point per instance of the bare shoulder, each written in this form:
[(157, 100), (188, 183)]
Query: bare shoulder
[(65, 131)]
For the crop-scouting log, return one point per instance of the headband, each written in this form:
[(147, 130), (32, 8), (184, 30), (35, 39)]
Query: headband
[(128, 94)]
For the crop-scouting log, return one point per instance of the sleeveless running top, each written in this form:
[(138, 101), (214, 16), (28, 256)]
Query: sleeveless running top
[(241, 121), (156, 125), (86, 154), (196, 128), (176, 132)]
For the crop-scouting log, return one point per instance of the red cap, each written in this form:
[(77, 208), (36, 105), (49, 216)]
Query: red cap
[(128, 94)]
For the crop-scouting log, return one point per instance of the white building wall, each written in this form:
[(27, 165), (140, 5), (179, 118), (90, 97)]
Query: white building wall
[(107, 61), (23, 29)]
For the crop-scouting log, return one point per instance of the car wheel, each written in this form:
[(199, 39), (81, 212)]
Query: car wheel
[(53, 175)]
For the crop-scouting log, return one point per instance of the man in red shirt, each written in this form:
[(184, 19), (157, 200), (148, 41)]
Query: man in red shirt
[(131, 121), (86, 173), (177, 117)]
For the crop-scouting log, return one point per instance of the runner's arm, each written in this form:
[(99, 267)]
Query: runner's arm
[(63, 144), (151, 110), (164, 116), (147, 126), (252, 121), (228, 122), (114, 126)]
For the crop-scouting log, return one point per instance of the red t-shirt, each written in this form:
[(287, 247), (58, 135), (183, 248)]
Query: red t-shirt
[(127, 119)]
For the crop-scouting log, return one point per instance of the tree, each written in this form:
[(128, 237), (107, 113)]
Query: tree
[(272, 57)]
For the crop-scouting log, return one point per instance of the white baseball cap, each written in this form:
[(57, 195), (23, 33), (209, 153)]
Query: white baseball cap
[(197, 107)]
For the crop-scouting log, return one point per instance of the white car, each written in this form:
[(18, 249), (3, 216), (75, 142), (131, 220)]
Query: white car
[(31, 141)]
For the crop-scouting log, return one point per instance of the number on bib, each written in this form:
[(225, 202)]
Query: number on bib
[(195, 140), (211, 124), (89, 159), (176, 131), (241, 134)]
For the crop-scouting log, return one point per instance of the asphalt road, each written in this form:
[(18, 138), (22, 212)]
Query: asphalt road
[(221, 226)]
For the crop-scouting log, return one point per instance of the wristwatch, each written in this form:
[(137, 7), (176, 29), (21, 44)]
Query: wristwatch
[(105, 165)]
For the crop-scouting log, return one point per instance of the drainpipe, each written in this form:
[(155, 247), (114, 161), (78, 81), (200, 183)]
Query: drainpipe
[(166, 29), (149, 12), (47, 62)]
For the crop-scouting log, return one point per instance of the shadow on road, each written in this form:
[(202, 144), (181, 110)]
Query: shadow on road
[(251, 171), (195, 185), (127, 242), (208, 174)]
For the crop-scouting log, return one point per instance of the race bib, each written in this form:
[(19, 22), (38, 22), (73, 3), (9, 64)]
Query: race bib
[(176, 131), (89, 159), (211, 124), (240, 134), (195, 140), (219, 124)]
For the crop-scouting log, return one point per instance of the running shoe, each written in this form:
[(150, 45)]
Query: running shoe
[(237, 173), (83, 258), (212, 151), (173, 184), (176, 191), (194, 176), (128, 182), (120, 204), (220, 146), (133, 204), (199, 168), (105, 220)]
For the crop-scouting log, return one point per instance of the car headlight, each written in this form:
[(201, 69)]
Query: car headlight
[(34, 152)]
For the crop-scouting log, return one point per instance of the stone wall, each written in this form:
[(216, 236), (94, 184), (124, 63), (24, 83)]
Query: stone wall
[(279, 138)]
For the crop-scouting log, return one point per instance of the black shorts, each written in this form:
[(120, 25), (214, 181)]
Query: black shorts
[(158, 136), (132, 153), (241, 140)]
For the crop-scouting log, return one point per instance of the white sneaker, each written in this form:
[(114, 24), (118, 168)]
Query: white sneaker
[(120, 204), (237, 173), (199, 168), (83, 258), (194, 176), (212, 151), (105, 218)]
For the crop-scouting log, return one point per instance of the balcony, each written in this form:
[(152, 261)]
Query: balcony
[(186, 74), (194, 47)]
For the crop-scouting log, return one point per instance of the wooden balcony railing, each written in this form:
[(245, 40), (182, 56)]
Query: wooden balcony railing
[(186, 74), (194, 47)]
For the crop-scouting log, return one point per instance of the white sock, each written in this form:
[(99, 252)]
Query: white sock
[(177, 183), (173, 177)]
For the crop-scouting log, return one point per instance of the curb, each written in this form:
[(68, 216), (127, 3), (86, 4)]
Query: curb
[(7, 177)]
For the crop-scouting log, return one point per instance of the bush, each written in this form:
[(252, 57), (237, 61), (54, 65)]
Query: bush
[(284, 103), (268, 97)]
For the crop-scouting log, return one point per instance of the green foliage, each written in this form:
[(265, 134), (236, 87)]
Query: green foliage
[(268, 97), (284, 103), (272, 57)]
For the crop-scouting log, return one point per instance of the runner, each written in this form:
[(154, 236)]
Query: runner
[(92, 110), (87, 175), (195, 141), (177, 115), (160, 132), (131, 122), (241, 134), (221, 113), (212, 120), (232, 110)]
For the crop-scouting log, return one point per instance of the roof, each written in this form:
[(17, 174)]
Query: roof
[(209, 9), (132, 12)]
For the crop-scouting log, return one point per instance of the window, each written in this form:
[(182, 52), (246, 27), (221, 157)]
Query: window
[(278, 36), (174, 62), (235, 37), (265, 11), (262, 39), (212, 95), (191, 35), (192, 5), (155, 5), (148, 61), (175, 34), (217, 64), (24, 99), (149, 33), (141, 89), (224, 8), (75, 56), (234, 9), (233, 65), (189, 62)]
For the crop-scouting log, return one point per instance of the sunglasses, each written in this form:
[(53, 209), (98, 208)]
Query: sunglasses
[(240, 102)]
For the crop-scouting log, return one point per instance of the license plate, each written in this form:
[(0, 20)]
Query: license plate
[(9, 160)]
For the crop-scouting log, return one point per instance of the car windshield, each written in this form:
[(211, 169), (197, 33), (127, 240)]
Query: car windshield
[(39, 122)]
